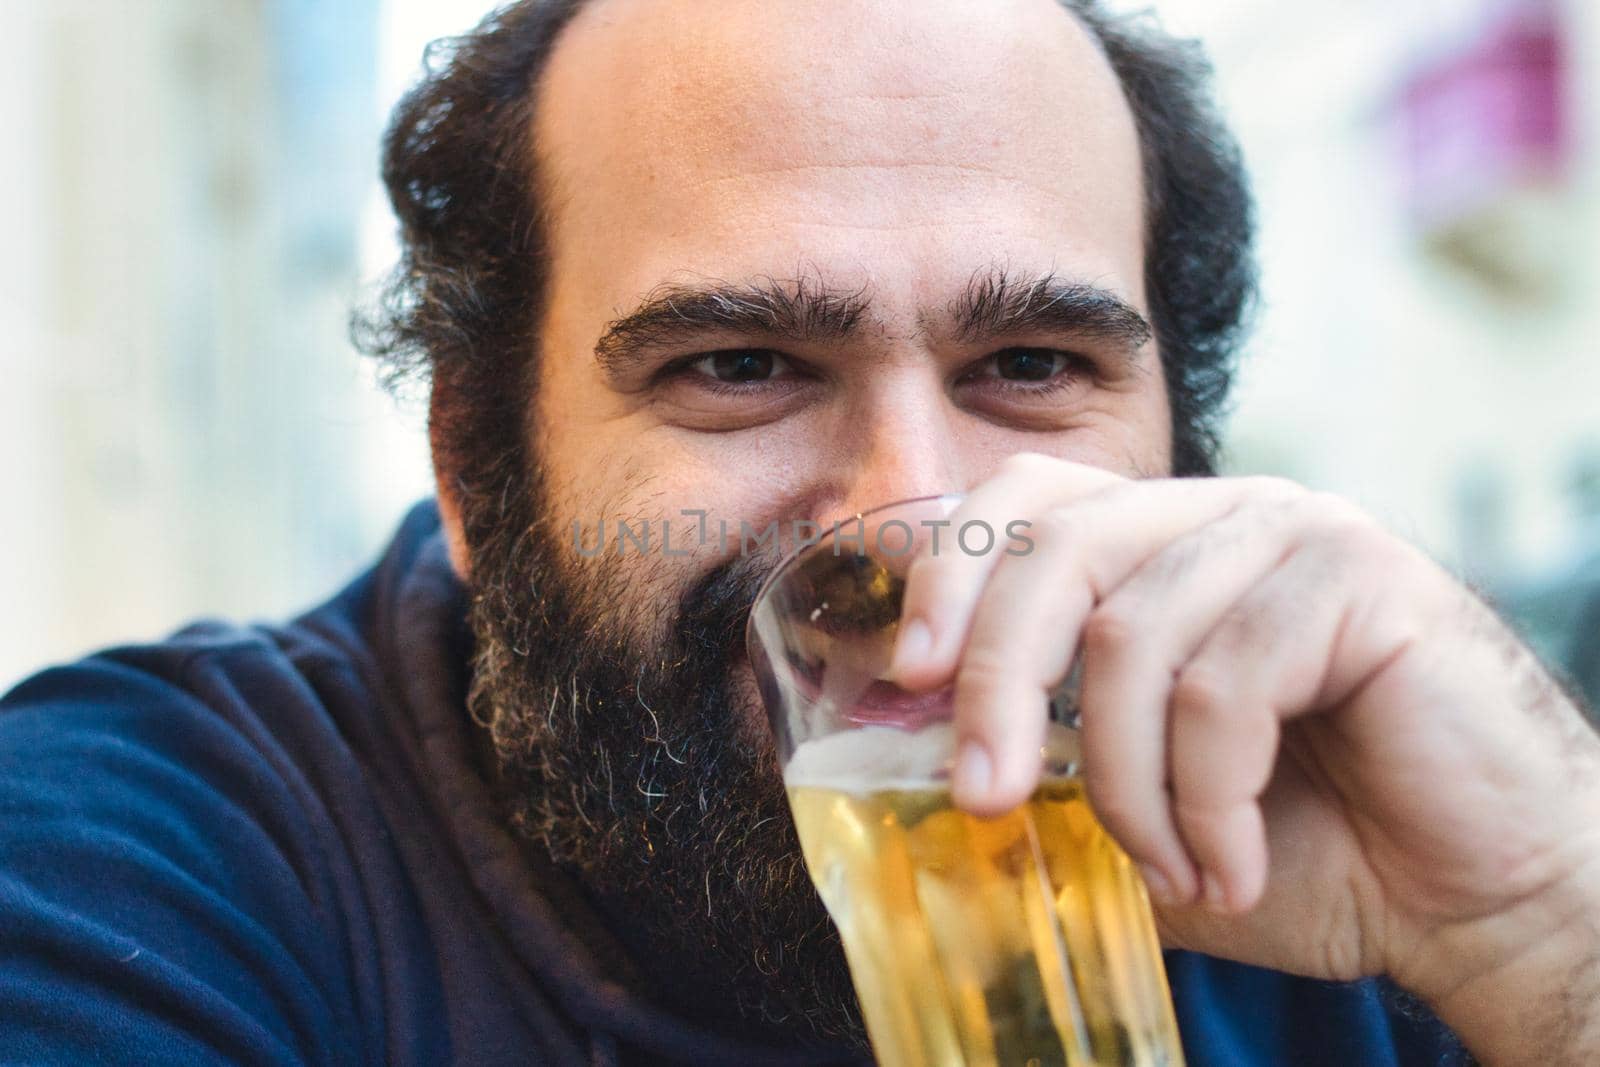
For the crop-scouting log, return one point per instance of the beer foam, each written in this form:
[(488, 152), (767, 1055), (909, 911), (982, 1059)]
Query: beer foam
[(875, 758), (872, 758)]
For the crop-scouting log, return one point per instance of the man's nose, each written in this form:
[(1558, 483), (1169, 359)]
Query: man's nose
[(898, 445)]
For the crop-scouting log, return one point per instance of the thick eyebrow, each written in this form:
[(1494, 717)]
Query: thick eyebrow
[(998, 304), (995, 303), (797, 311)]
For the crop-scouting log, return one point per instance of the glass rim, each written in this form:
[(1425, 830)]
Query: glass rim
[(789, 562)]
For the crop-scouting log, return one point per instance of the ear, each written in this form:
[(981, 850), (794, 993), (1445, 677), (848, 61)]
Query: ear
[(455, 537), (446, 489)]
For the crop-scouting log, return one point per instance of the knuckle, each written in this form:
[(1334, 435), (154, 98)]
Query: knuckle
[(1346, 533), (1260, 512), (1402, 569), (1201, 823), (1120, 814), (1200, 692), (1339, 514), (1376, 547), (984, 669), (1275, 489), (1250, 626), (1062, 524), (1109, 630)]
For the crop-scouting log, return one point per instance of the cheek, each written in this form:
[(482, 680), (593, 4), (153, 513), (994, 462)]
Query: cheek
[(639, 528), (1138, 438), (1127, 429), (695, 492), (635, 593)]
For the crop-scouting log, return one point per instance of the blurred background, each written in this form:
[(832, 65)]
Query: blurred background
[(192, 207)]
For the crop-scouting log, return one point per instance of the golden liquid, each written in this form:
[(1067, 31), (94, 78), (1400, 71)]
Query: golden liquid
[(1024, 940)]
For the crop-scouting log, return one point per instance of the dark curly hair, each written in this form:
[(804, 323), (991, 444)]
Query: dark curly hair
[(461, 311)]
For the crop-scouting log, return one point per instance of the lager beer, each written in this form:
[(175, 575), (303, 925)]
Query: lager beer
[(1022, 940)]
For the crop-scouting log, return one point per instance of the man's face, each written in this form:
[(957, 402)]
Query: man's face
[(884, 152), (807, 258)]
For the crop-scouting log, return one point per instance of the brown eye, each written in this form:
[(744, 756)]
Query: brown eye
[(1029, 364), (740, 366)]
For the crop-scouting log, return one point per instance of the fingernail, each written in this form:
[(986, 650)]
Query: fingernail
[(974, 770), (912, 647), (1156, 882), (1216, 900)]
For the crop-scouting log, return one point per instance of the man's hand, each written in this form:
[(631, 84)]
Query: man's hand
[(1327, 755)]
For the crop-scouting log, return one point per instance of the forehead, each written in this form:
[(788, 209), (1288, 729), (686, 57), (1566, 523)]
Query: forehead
[(901, 144)]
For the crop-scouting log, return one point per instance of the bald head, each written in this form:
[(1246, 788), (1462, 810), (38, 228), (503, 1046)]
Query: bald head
[(734, 137), (683, 91)]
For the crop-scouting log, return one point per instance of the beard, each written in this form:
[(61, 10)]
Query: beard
[(627, 759)]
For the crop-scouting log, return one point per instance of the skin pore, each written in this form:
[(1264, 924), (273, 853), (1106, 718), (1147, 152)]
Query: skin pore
[(802, 264)]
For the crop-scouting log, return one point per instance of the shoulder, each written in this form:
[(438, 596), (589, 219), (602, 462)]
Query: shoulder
[(218, 711), (164, 883)]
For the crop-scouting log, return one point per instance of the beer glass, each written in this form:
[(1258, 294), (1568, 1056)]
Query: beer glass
[(1021, 940)]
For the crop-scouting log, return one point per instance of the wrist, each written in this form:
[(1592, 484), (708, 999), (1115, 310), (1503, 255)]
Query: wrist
[(1522, 986)]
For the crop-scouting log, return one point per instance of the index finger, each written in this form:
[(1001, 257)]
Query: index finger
[(943, 587)]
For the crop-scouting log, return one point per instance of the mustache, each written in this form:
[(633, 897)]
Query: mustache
[(714, 609)]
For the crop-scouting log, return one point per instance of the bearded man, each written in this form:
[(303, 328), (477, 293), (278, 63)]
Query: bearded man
[(507, 799)]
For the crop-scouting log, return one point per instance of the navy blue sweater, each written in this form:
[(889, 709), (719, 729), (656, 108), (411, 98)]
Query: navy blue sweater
[(273, 844)]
